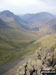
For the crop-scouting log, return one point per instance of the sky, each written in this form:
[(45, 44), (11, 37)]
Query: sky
[(28, 6)]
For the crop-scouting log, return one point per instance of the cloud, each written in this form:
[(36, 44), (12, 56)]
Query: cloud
[(28, 6)]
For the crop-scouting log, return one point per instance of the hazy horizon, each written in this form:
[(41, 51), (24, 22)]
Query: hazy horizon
[(27, 13), (28, 6)]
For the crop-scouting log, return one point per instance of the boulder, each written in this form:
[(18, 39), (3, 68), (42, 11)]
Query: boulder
[(49, 59), (38, 64), (30, 64), (21, 70), (55, 67), (55, 54)]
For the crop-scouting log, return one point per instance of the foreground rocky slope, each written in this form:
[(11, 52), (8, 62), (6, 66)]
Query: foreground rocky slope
[(43, 59)]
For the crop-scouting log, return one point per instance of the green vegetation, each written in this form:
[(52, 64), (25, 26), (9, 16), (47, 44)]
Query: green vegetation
[(31, 49), (11, 50), (47, 40), (17, 42), (53, 48), (15, 49), (14, 45)]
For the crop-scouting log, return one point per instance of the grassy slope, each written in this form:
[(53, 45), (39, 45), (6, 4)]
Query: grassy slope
[(16, 43), (13, 43), (46, 40)]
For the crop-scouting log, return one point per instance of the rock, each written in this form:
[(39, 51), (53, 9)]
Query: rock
[(21, 70), (55, 67), (37, 51), (38, 64), (44, 53), (30, 64), (55, 54), (49, 59), (45, 60), (38, 73)]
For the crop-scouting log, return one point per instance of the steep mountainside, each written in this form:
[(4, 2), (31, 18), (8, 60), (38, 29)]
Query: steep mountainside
[(13, 38), (18, 37), (38, 18), (44, 51), (40, 21), (34, 22), (52, 24), (2, 24), (11, 19)]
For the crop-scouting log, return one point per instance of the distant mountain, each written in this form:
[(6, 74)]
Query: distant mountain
[(3, 24), (38, 18), (26, 17), (37, 21), (13, 39), (14, 26), (52, 24), (6, 13), (11, 19), (32, 22), (27, 22), (14, 21)]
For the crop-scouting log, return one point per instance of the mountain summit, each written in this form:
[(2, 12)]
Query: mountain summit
[(6, 13)]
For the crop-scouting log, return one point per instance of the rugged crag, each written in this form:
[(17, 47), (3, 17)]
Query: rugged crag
[(44, 59)]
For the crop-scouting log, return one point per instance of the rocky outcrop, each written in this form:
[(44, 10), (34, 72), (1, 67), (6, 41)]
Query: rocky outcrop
[(43, 59)]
